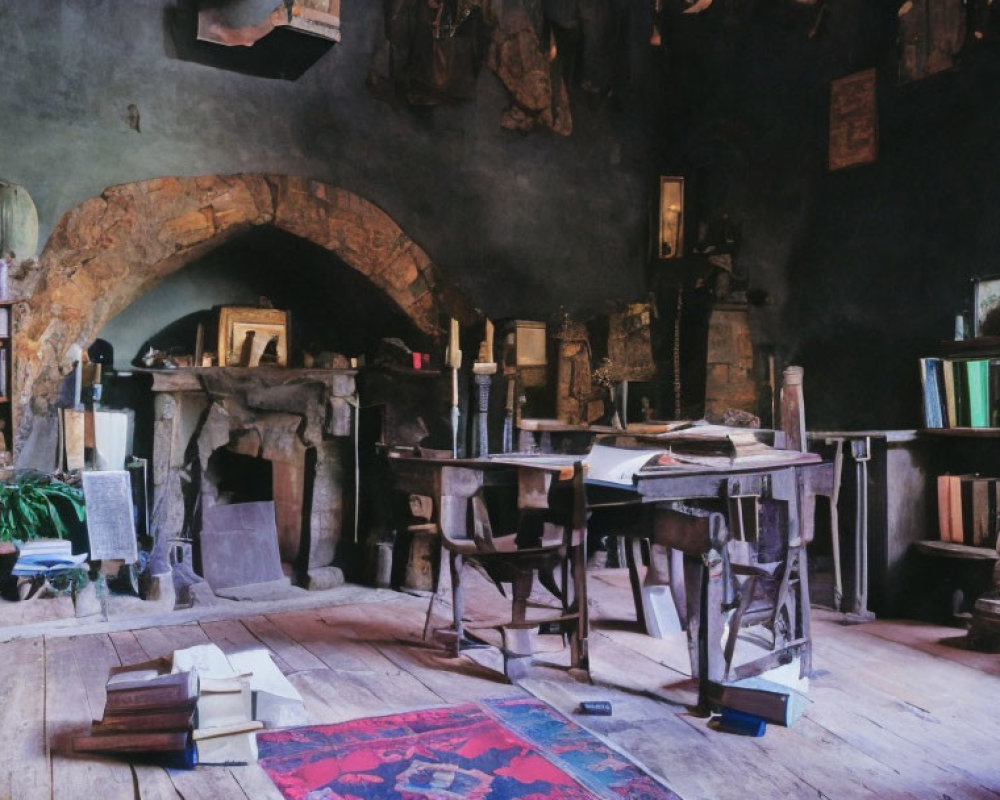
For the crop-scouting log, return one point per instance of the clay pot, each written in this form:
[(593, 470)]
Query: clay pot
[(8, 558)]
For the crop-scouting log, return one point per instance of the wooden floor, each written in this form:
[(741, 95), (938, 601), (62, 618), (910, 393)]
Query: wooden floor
[(898, 712)]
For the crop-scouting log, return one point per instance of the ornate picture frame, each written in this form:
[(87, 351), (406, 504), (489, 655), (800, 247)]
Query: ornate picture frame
[(986, 306), (246, 333)]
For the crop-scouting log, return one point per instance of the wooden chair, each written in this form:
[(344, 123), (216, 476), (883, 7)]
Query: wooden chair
[(549, 539), (772, 593), (740, 570)]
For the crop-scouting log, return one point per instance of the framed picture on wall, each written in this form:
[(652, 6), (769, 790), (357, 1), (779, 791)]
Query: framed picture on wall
[(853, 120), (986, 306), (249, 337), (670, 242)]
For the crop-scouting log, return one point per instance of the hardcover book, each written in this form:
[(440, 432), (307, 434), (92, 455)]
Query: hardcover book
[(136, 694)]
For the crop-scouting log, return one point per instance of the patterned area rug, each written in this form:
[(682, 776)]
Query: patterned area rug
[(500, 749)]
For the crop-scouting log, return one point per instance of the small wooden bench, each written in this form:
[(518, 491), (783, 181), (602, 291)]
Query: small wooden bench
[(969, 565), (965, 552)]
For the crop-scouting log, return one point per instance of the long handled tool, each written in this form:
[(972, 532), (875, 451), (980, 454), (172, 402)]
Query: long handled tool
[(861, 452)]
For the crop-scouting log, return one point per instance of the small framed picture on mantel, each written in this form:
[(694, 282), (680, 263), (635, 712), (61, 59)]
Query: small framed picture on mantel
[(986, 306)]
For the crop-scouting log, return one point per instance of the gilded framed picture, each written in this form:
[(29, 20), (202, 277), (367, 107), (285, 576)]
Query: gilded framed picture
[(249, 337), (986, 306), (853, 120)]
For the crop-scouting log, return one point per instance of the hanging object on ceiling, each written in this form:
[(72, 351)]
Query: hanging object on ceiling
[(696, 6), (18, 221), (931, 34), (245, 22)]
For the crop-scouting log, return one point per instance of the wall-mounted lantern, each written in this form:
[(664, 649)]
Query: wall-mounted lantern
[(670, 242)]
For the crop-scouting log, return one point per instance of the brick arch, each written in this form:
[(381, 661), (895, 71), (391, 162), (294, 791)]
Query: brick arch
[(110, 249)]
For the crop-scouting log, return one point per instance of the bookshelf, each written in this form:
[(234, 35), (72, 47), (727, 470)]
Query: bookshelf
[(961, 408), (961, 388)]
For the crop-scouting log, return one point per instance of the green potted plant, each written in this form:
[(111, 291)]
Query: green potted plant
[(35, 505)]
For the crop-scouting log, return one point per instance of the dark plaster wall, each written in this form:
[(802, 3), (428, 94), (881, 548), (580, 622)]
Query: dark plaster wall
[(522, 223), (863, 269)]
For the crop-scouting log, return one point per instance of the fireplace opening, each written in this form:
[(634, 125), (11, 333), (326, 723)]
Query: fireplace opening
[(236, 478)]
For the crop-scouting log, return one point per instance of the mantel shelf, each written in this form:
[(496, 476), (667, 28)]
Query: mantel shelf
[(188, 379)]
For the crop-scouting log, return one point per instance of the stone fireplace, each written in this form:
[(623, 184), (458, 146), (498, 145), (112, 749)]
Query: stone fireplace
[(112, 249), (297, 422)]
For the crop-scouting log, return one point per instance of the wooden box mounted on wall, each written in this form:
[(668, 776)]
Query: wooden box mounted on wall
[(529, 354)]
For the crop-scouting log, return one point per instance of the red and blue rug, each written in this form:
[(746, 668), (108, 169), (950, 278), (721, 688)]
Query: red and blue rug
[(514, 748)]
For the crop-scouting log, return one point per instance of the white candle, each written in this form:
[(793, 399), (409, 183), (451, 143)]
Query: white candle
[(454, 353), (76, 353), (489, 340)]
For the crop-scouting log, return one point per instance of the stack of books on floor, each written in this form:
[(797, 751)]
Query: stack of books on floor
[(46, 556), (149, 715), (201, 706)]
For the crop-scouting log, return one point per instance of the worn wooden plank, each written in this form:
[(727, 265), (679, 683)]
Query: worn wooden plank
[(936, 640), (76, 671), (161, 642), (925, 739), (289, 653), (127, 647), (950, 692), (325, 639), (24, 759), (394, 630), (207, 783), (909, 748), (153, 783), (255, 783)]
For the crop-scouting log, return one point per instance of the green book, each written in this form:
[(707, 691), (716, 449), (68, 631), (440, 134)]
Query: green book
[(977, 373)]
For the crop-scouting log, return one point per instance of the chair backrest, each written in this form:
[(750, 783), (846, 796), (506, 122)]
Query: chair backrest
[(559, 502)]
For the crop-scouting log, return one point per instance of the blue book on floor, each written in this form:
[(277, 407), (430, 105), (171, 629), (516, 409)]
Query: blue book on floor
[(732, 721)]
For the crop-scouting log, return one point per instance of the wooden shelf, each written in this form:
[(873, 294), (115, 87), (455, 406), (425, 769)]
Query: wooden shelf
[(970, 348), (966, 433)]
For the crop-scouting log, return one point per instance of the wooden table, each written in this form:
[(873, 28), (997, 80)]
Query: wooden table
[(787, 484)]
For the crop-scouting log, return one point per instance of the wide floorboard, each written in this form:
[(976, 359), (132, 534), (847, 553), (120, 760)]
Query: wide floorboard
[(900, 710)]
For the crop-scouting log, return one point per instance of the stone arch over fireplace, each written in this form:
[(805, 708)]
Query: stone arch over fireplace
[(110, 249)]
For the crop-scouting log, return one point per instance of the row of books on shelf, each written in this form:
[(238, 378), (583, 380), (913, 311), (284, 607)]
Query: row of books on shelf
[(960, 393), (968, 509)]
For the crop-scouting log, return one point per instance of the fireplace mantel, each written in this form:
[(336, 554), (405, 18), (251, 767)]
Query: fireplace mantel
[(301, 420), (189, 379)]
